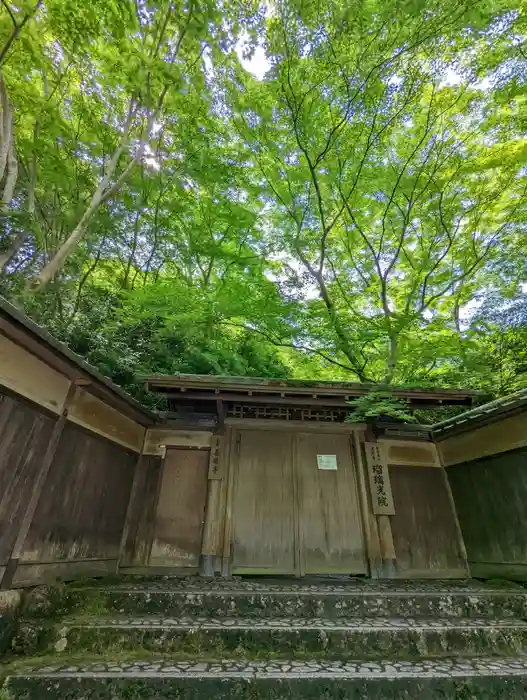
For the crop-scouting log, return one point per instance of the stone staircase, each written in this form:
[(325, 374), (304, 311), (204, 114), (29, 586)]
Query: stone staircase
[(329, 639)]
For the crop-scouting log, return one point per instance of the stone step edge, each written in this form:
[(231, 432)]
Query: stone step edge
[(482, 667), (340, 625), (309, 594)]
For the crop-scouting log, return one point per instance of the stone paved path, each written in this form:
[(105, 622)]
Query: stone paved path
[(353, 623), (449, 668), (324, 586)]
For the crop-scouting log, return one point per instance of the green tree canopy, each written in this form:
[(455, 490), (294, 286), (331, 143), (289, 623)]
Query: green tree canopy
[(353, 209)]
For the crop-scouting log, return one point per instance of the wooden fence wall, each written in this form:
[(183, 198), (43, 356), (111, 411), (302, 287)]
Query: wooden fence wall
[(426, 536), (489, 486), (67, 465)]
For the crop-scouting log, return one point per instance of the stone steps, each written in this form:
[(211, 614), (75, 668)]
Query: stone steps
[(364, 638), (322, 640), (236, 680), (248, 599)]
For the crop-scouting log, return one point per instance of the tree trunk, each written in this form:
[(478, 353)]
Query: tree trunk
[(11, 177), (392, 358), (6, 127), (103, 192), (7, 255), (50, 270)]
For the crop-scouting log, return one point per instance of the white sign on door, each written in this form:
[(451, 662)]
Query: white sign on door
[(327, 462)]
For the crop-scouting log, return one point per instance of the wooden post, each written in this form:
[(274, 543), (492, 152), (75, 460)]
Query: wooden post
[(461, 540), (389, 560), (18, 547), (233, 452), (298, 532), (211, 525), (131, 499), (371, 529), (388, 557)]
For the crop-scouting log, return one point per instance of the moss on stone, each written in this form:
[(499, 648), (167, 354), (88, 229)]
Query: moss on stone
[(33, 637), (53, 602), (159, 688), (260, 642), (10, 603)]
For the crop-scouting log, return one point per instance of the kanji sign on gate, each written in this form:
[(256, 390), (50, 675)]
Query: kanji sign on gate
[(381, 490)]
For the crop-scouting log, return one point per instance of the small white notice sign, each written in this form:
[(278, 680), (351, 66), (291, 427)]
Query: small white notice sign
[(327, 462)]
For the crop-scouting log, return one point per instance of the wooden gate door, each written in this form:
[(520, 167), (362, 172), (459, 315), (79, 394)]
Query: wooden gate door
[(290, 515), (330, 526), (178, 525), (263, 504)]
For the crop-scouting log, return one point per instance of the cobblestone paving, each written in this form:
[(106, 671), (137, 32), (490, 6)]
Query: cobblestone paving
[(324, 586), (355, 623), (449, 668)]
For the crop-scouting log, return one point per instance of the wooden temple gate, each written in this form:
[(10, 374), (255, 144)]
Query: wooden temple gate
[(243, 476), (295, 504)]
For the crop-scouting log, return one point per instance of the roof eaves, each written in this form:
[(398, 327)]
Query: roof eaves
[(62, 349)]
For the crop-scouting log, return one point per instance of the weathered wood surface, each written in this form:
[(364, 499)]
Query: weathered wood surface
[(28, 376), (379, 478), (141, 512), (502, 436), (92, 413), (491, 500), (24, 436), (424, 526), (274, 425), (289, 515), (32, 574), (159, 438), (410, 452), (369, 521), (214, 514), (81, 512), (328, 507), (263, 521), (180, 509)]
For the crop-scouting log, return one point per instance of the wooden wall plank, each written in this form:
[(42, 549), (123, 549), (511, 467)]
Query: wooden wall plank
[(329, 507), (30, 574), (502, 436), (424, 526), (82, 508), (28, 376), (491, 500), (92, 413), (141, 512), (263, 520), (180, 509), (24, 436)]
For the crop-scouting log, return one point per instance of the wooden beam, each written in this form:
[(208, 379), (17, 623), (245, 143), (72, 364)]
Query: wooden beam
[(272, 386), (291, 399)]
